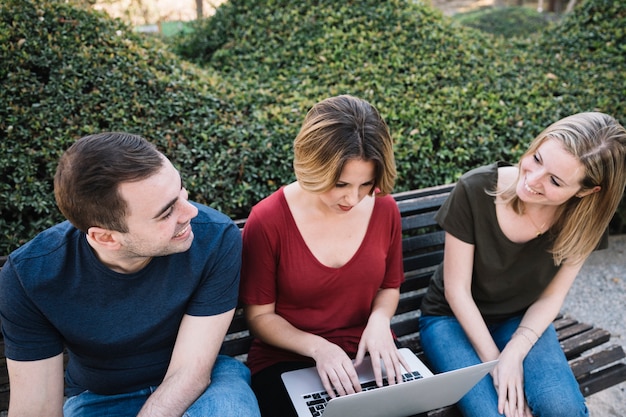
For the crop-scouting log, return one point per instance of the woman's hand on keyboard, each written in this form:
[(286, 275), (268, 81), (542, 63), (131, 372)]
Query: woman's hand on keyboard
[(378, 341), (336, 370)]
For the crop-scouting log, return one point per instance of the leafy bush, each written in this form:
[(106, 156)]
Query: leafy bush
[(507, 22), (429, 77), (67, 72), (454, 97)]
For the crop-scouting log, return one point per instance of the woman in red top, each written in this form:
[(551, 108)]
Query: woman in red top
[(322, 258)]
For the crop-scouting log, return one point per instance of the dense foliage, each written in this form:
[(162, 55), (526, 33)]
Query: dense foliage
[(454, 97), (506, 21), (67, 72)]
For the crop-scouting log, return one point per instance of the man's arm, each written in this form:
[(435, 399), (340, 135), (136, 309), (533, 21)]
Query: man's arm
[(189, 373), (36, 387)]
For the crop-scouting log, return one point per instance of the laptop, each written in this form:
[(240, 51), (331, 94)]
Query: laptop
[(422, 391)]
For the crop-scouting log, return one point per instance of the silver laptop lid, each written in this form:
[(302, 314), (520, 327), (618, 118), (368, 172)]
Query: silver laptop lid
[(404, 399), (411, 397)]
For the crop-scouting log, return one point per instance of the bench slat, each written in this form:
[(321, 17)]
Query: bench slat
[(408, 303), (415, 281), (423, 243), (562, 322), (603, 379), (573, 330), (427, 260), (418, 221), (237, 347), (423, 192), (585, 365), (578, 344)]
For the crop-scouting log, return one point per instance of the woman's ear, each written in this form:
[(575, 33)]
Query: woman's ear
[(590, 191)]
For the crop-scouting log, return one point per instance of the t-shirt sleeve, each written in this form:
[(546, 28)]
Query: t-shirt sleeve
[(455, 215), (219, 290), (394, 275), (259, 264), (27, 333)]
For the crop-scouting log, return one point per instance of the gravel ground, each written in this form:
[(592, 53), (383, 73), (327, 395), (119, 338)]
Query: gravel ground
[(598, 297)]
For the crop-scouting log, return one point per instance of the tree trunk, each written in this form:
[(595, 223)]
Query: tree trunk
[(555, 6), (199, 11), (570, 6)]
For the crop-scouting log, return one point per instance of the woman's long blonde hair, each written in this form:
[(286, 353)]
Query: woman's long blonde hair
[(598, 141)]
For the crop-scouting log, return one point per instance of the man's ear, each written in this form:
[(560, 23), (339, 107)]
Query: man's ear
[(105, 238), (590, 191)]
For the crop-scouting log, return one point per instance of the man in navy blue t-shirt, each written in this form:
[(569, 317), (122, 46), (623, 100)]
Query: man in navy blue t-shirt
[(139, 285)]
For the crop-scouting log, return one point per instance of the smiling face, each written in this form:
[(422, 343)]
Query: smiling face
[(550, 176), (158, 215), (355, 183)]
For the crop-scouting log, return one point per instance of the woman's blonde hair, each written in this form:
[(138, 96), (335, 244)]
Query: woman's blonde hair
[(598, 141), (335, 131)]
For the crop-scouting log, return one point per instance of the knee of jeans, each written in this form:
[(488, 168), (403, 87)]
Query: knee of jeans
[(232, 367), (232, 398), (557, 406)]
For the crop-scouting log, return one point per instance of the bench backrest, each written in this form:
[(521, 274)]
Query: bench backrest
[(422, 246)]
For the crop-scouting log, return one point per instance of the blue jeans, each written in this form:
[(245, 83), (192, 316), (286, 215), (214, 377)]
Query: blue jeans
[(229, 395), (549, 384)]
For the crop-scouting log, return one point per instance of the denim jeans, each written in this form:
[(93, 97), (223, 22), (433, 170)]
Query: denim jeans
[(229, 395), (549, 384)]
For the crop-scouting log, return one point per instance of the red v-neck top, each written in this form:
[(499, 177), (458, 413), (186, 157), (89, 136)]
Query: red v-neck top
[(334, 303)]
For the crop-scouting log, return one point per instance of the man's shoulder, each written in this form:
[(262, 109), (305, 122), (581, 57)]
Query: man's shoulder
[(47, 244), (209, 215), (213, 228)]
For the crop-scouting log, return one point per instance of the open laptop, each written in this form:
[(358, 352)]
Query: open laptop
[(422, 391)]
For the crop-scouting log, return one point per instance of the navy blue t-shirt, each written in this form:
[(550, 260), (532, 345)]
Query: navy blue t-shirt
[(119, 329)]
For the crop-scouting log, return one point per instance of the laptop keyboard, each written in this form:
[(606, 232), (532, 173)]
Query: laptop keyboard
[(317, 401)]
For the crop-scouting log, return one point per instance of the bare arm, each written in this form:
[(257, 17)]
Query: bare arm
[(333, 364), (189, 373), (457, 274), (36, 387), (508, 376)]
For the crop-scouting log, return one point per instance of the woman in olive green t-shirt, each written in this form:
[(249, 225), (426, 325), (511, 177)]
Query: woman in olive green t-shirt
[(516, 237)]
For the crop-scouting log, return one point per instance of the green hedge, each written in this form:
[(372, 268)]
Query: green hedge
[(454, 97), (67, 72), (507, 22)]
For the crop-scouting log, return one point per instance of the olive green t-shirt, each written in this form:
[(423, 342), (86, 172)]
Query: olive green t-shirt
[(507, 277)]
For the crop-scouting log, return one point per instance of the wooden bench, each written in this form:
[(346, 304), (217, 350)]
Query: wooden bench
[(596, 363)]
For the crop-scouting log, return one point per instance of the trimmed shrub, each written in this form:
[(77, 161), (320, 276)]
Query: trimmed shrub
[(454, 97), (507, 22), (66, 72)]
